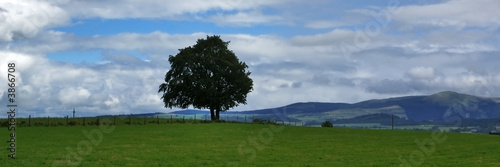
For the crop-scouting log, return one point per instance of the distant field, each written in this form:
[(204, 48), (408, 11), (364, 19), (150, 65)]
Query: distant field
[(232, 144)]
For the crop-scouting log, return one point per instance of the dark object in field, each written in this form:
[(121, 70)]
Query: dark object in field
[(494, 133), (327, 124)]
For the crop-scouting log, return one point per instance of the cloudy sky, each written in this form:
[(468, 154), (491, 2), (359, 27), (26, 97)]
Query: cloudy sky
[(108, 57)]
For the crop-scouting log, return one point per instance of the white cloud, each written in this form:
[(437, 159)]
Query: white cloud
[(126, 84), (422, 72), (322, 24), (51, 87), (72, 96), (174, 10), (455, 13), (112, 101), (245, 19), (25, 19), (335, 37)]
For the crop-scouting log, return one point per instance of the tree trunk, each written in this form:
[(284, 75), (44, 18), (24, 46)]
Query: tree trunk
[(217, 114), (212, 115)]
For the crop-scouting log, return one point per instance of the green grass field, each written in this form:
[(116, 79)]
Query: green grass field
[(236, 144)]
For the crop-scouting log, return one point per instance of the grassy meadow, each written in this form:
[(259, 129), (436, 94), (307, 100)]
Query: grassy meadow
[(238, 144)]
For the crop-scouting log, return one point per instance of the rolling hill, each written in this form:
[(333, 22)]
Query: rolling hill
[(444, 106)]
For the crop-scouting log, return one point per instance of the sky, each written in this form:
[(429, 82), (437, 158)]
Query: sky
[(109, 57)]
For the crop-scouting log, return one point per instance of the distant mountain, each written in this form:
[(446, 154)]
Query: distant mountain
[(191, 112), (440, 107), (301, 108), (134, 115)]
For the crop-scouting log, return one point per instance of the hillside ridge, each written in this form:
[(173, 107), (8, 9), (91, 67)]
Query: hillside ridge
[(434, 107)]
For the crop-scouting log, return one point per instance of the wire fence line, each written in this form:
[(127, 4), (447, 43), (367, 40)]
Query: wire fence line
[(138, 120)]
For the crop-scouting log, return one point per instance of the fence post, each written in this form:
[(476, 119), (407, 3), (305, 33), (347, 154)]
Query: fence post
[(170, 118), (67, 120), (392, 122)]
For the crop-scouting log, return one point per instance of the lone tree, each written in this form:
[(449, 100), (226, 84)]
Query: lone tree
[(206, 75), (327, 124)]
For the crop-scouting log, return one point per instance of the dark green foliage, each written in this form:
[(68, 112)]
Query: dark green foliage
[(93, 121), (5, 124), (73, 123), (204, 121), (206, 75), (221, 121), (327, 124)]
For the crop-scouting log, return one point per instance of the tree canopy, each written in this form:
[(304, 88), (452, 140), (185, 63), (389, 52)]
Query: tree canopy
[(206, 75), (327, 124)]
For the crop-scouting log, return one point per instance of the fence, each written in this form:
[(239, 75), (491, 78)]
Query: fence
[(135, 120)]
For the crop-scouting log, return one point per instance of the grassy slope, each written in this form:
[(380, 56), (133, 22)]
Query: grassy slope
[(218, 145)]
